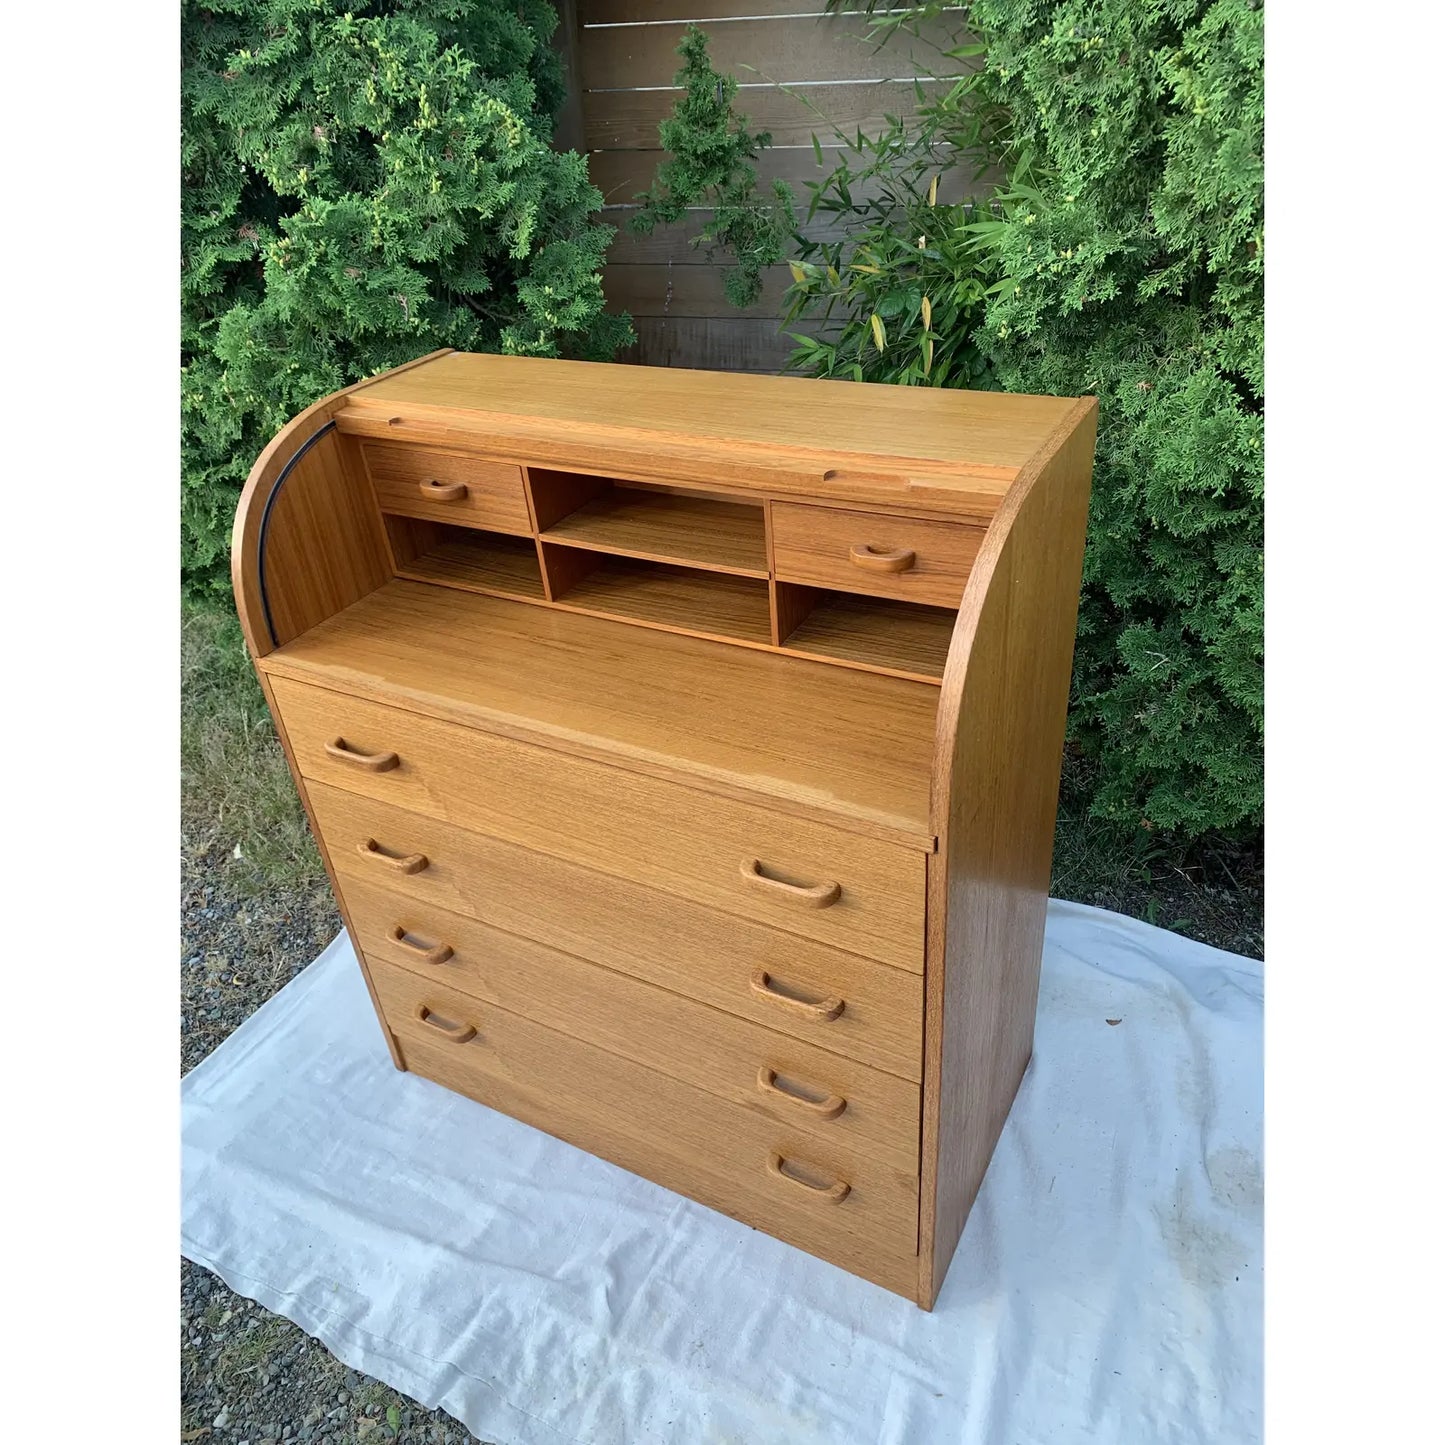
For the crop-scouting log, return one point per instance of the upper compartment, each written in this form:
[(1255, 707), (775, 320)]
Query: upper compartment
[(921, 448)]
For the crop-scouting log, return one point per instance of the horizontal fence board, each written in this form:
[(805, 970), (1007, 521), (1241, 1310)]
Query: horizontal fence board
[(620, 175), (634, 12), (781, 50), (628, 119), (714, 343), (690, 291), (675, 242)]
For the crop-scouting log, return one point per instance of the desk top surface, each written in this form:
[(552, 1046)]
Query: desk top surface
[(830, 741), (826, 423)]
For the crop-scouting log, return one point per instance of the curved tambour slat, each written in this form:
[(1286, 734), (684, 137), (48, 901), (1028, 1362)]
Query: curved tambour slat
[(315, 517), (301, 505), (997, 761)]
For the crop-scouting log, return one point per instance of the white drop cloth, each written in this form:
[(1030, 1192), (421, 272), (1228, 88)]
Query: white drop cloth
[(1107, 1287)]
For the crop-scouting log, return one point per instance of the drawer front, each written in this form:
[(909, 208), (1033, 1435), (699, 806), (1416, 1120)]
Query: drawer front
[(829, 1199), (871, 552), (792, 1083), (448, 487), (790, 985), (850, 891)]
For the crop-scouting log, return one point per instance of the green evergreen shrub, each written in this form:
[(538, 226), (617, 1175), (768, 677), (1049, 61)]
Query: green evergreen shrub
[(364, 181), (1123, 260), (710, 165)]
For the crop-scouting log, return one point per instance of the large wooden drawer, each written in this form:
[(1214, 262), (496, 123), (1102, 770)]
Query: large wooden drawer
[(448, 487), (829, 1199), (813, 993), (842, 888), (773, 1074), (874, 553)]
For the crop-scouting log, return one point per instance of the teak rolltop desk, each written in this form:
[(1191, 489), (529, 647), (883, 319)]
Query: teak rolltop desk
[(684, 751)]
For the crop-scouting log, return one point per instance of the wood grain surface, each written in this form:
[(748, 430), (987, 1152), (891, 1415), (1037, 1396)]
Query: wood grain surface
[(664, 1129), (706, 1047), (816, 545), (901, 636), (657, 833), (348, 534), (996, 786), (493, 563), (323, 547), (493, 496), (659, 526), (831, 424), (693, 950), (679, 599), (852, 748)]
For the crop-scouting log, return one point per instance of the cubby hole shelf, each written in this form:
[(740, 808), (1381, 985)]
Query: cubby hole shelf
[(876, 634), (906, 639), (684, 599), (630, 519), (491, 562)]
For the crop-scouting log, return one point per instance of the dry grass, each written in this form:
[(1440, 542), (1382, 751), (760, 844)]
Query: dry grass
[(238, 803), (1211, 889)]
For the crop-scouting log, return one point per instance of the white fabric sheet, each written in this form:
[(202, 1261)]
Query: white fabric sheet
[(1107, 1287)]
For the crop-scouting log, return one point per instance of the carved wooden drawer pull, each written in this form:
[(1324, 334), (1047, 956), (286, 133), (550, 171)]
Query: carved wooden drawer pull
[(817, 1103), (438, 491), (820, 895), (437, 953), (372, 762), (450, 1030), (780, 1168), (823, 1009), (408, 863), (864, 556)]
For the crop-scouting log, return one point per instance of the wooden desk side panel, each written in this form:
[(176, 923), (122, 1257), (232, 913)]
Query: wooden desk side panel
[(326, 552), (999, 753), (325, 548)]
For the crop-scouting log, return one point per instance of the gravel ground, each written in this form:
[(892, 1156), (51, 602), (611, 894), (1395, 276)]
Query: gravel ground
[(249, 1377)]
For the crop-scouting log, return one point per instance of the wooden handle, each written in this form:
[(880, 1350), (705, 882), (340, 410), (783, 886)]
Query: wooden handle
[(820, 895), (866, 557), (411, 863), (834, 1193), (823, 1009), (372, 762), (443, 491), (826, 1106), (437, 954), (456, 1033)]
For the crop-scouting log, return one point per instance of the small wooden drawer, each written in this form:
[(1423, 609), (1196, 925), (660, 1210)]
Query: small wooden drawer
[(844, 889), (818, 995), (874, 553), (831, 1199), (794, 1083), (448, 487)]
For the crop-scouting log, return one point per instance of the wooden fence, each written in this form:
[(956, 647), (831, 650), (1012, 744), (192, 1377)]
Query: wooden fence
[(801, 72)]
